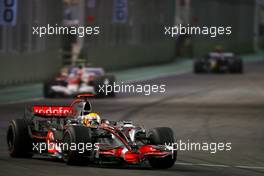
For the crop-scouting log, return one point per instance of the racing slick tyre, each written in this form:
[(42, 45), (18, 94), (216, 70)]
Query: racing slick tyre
[(237, 66), (47, 92), (107, 83), (18, 139), (160, 136), (198, 67), (77, 135)]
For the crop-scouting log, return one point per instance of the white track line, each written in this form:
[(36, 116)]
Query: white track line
[(250, 167), (220, 165), (147, 78)]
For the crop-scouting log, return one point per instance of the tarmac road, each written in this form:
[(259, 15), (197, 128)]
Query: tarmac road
[(199, 108)]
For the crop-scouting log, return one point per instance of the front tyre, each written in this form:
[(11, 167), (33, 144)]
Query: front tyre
[(78, 136), (107, 83), (160, 136), (237, 66)]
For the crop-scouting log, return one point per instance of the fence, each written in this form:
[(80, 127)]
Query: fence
[(23, 56)]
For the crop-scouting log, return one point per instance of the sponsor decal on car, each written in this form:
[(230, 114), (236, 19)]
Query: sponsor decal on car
[(53, 110)]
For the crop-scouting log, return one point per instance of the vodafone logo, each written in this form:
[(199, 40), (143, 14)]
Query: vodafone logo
[(52, 110)]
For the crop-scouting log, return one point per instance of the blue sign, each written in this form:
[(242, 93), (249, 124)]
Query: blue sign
[(120, 12), (8, 11), (91, 4)]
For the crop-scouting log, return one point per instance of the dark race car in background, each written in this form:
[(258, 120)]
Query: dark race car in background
[(115, 142), (218, 62), (75, 80)]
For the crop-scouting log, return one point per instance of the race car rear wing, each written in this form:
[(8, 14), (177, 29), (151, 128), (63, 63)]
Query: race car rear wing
[(52, 111)]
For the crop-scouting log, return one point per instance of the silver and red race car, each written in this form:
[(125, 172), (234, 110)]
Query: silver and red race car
[(75, 80), (60, 132)]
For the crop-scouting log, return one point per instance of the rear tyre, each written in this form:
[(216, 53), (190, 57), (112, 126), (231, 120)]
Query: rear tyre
[(198, 67), (47, 92), (18, 139), (237, 66), (160, 136), (78, 136)]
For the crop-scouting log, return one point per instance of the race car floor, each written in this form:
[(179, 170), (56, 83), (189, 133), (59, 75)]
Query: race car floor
[(199, 108)]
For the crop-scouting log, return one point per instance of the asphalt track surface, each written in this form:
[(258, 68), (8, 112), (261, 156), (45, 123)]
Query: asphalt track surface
[(199, 108)]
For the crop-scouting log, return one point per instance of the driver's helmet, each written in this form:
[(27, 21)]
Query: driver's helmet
[(91, 119)]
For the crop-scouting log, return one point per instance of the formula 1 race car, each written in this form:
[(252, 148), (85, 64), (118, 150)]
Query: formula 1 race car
[(219, 62), (75, 80), (65, 133)]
